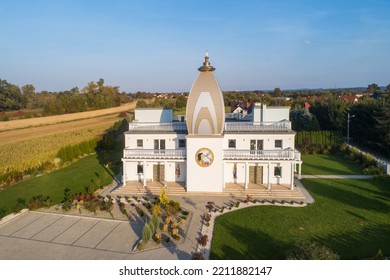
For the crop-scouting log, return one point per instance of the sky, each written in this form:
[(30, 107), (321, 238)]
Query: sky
[(157, 46)]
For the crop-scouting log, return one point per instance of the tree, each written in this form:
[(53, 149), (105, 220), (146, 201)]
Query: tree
[(11, 97), (372, 88), (277, 92), (181, 102)]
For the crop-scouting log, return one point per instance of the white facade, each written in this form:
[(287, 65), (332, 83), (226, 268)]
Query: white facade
[(205, 153)]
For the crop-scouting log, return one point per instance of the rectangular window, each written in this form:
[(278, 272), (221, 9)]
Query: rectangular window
[(162, 144), (156, 144), (140, 143), (140, 169), (278, 171), (279, 144), (232, 143), (256, 145), (159, 144), (182, 143)]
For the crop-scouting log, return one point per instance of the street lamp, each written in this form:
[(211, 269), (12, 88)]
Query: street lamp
[(348, 120)]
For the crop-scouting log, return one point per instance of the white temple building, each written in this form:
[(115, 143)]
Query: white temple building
[(209, 150)]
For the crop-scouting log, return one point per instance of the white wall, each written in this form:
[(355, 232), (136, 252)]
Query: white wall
[(153, 115), (204, 179), (262, 113), (243, 140), (171, 140), (276, 114), (284, 179)]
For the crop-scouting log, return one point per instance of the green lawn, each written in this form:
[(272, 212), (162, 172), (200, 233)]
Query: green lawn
[(87, 172), (328, 165), (349, 216)]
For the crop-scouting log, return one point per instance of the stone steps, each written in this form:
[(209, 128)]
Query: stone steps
[(236, 192)]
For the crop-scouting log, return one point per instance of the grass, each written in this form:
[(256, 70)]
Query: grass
[(349, 216), (88, 171), (329, 165)]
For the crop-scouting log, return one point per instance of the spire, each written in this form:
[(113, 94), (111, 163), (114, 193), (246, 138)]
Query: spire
[(206, 64)]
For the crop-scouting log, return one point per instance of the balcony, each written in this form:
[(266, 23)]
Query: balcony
[(287, 154), (158, 127), (258, 127), (154, 154)]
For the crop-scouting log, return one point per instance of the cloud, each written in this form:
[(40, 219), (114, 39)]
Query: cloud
[(307, 42)]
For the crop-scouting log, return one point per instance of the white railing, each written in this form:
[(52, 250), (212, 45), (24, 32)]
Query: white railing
[(174, 126), (260, 154), (250, 126), (297, 155), (160, 154)]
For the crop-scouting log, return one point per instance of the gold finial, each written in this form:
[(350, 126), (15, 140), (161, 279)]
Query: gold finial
[(206, 64)]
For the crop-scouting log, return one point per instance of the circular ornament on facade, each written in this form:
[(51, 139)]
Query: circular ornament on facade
[(204, 157)]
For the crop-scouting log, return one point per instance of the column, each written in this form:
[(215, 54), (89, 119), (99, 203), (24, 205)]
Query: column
[(269, 177), (144, 170), (165, 174), (292, 176), (124, 176), (246, 175), (223, 175)]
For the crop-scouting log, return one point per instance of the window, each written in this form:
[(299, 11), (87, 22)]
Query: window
[(140, 169), (278, 144), (182, 143), (232, 143), (256, 145), (278, 171), (159, 144), (140, 143)]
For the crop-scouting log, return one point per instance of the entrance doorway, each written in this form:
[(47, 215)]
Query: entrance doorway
[(158, 173), (255, 175)]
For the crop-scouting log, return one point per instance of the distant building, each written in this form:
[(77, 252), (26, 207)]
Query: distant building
[(349, 98), (206, 151)]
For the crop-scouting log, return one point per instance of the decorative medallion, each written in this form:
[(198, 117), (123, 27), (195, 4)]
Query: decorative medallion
[(204, 157)]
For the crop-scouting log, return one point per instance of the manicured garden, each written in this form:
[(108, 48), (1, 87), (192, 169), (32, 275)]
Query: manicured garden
[(91, 171), (351, 217)]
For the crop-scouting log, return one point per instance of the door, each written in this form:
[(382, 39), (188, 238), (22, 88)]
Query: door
[(158, 173), (255, 175)]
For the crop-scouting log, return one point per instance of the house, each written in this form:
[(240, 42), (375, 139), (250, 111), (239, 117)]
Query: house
[(207, 152)]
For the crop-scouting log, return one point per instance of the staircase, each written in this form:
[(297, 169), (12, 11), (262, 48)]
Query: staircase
[(278, 192)]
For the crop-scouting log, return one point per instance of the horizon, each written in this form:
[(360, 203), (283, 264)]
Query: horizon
[(157, 46)]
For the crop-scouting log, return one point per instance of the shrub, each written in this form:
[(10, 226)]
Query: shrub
[(373, 170), (155, 222), (167, 239), (146, 233), (185, 213), (35, 202), (203, 239), (210, 206), (91, 205), (206, 217), (197, 256), (20, 204), (237, 204), (310, 250)]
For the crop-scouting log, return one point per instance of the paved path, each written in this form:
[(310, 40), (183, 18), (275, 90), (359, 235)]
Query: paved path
[(337, 176)]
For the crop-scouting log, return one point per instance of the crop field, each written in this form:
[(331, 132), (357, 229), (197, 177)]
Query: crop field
[(24, 148), (10, 125)]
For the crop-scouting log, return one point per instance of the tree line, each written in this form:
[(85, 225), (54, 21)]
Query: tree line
[(96, 95)]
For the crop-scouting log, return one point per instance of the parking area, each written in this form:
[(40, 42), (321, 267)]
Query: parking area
[(66, 237)]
